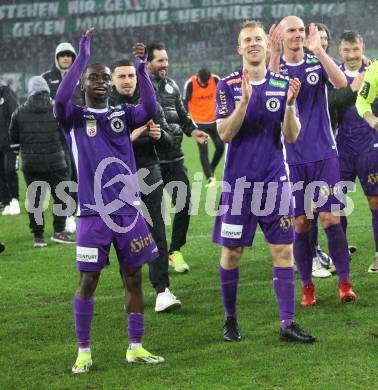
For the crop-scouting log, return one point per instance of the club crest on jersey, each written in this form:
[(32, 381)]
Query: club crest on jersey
[(91, 127), (117, 125), (273, 104), (312, 78), (169, 88)]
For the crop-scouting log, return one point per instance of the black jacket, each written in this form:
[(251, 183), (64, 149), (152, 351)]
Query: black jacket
[(8, 103), (145, 148), (169, 97), (54, 78), (35, 130)]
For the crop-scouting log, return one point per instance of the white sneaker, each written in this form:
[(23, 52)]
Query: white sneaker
[(12, 209), (318, 271), (166, 302), (7, 210), (373, 269), (70, 225)]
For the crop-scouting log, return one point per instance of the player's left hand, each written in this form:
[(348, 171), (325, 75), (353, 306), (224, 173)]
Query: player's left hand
[(200, 136), (313, 41), (292, 93), (139, 50), (153, 130)]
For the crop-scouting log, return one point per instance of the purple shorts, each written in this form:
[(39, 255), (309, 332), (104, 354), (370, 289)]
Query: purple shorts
[(319, 189), (239, 214), (94, 238), (363, 166)]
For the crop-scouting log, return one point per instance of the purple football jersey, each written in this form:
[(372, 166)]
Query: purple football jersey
[(315, 141), (101, 149), (256, 152), (354, 135)]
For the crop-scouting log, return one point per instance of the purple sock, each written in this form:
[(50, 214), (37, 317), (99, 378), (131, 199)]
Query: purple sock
[(135, 327), (313, 235), (374, 218), (284, 288), (229, 280), (303, 257), (83, 313), (338, 250), (344, 223)]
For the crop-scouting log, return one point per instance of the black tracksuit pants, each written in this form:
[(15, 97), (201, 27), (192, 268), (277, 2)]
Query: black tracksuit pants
[(8, 177), (176, 171), (207, 166), (53, 179), (158, 269)]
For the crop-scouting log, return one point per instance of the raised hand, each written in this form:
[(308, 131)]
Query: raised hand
[(139, 50), (89, 32), (293, 91), (275, 38), (313, 41), (85, 42), (246, 87)]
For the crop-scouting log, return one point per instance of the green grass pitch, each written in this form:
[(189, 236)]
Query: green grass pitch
[(38, 344)]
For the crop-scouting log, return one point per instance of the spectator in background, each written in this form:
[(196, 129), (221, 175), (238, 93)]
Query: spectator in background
[(9, 192), (35, 131), (172, 160), (65, 55), (199, 101)]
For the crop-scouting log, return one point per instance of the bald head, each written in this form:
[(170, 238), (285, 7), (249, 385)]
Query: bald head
[(293, 33), (291, 20)]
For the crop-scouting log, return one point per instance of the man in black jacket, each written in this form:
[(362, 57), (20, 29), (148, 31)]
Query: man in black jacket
[(9, 192), (146, 140), (64, 57), (34, 130), (172, 160)]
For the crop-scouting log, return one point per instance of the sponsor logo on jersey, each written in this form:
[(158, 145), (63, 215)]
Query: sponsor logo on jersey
[(222, 108), (312, 78), (364, 91), (231, 231), (286, 223), (316, 67), (273, 104), (169, 88), (91, 127), (311, 60), (234, 81), (373, 178), (278, 83), (137, 244), (86, 255), (117, 125), (115, 114), (88, 116), (275, 93)]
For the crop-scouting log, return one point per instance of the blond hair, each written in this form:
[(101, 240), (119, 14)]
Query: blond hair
[(250, 24)]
